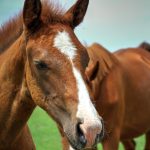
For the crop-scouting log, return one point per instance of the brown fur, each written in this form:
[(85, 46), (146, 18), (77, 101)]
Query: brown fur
[(9, 32)]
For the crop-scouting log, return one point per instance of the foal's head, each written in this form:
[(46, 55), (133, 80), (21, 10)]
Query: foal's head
[(55, 66)]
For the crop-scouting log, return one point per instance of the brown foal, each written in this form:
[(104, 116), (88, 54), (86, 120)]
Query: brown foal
[(43, 63)]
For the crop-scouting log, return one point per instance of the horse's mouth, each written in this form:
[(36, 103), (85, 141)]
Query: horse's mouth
[(78, 146), (75, 144), (79, 142)]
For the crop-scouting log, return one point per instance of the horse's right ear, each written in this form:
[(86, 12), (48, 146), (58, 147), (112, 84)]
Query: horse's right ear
[(92, 71), (31, 14), (76, 13)]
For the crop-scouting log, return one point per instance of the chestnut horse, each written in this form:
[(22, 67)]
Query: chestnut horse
[(121, 88), (42, 63)]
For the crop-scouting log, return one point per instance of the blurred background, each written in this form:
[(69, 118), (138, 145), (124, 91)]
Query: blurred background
[(113, 23)]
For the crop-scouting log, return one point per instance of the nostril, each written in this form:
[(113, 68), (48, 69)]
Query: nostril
[(81, 136)]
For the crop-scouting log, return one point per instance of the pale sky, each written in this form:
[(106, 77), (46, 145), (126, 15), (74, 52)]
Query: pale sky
[(113, 23)]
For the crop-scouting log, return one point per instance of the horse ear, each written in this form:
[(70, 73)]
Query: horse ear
[(92, 71), (76, 13), (31, 14)]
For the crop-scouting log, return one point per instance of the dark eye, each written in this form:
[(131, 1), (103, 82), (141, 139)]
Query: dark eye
[(40, 65)]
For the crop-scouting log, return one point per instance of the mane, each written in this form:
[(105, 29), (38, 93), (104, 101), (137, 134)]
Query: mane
[(12, 29), (106, 59), (145, 46), (9, 32)]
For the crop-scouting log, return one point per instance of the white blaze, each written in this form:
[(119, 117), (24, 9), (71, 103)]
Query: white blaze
[(63, 43), (86, 109)]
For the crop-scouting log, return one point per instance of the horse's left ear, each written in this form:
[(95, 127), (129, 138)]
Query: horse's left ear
[(31, 14), (76, 13), (92, 71)]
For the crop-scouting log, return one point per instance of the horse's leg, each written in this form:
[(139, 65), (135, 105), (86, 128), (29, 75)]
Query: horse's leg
[(129, 144), (113, 127), (147, 146), (112, 141), (110, 144), (24, 141)]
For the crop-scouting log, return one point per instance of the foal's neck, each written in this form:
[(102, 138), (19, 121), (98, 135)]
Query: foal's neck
[(16, 104)]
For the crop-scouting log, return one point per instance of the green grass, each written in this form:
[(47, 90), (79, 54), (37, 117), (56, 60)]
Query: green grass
[(46, 135)]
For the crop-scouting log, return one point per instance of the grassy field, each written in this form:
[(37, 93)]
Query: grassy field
[(46, 135)]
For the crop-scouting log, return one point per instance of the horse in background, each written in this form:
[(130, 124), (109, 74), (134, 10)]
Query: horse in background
[(120, 83), (37, 50)]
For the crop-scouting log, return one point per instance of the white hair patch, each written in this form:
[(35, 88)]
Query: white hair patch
[(63, 42)]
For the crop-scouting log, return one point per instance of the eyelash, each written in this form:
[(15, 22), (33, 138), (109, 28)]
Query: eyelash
[(40, 65)]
